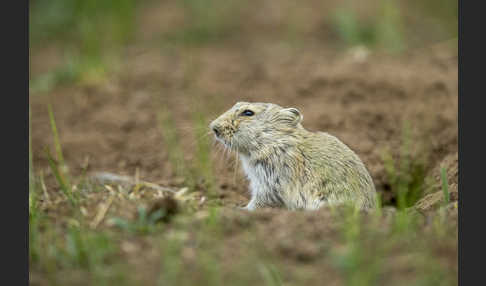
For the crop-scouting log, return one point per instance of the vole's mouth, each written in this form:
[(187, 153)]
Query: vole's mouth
[(219, 137), (224, 141)]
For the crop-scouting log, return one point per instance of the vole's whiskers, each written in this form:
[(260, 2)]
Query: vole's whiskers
[(221, 150), (235, 168), (220, 153), (226, 152)]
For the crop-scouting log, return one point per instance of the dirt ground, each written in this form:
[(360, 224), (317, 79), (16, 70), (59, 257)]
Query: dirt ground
[(363, 102), (365, 98)]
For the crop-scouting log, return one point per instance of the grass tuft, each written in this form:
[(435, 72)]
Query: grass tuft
[(353, 258), (144, 224), (406, 175), (86, 249), (61, 178), (58, 166)]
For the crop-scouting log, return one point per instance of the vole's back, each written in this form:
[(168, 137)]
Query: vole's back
[(343, 175)]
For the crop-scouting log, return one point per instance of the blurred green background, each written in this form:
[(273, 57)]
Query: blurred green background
[(88, 37)]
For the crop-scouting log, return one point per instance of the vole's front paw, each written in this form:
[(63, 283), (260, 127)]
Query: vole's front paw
[(247, 208)]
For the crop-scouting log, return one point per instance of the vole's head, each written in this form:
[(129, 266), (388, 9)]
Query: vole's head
[(250, 126)]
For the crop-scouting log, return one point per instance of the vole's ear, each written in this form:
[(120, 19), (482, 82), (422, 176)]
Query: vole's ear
[(291, 115)]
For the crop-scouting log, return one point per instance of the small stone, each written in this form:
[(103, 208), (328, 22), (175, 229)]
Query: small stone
[(168, 205)]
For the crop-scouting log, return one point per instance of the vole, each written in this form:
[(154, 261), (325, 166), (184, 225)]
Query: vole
[(288, 166)]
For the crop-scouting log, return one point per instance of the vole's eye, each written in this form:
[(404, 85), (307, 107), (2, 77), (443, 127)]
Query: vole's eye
[(247, 112)]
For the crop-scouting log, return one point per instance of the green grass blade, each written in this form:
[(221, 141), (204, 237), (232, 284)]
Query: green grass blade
[(57, 144), (445, 185), (270, 274)]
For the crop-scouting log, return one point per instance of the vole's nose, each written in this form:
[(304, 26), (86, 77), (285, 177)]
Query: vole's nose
[(216, 129)]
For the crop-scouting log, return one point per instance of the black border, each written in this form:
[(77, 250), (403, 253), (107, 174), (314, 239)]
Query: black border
[(471, 143), (15, 183)]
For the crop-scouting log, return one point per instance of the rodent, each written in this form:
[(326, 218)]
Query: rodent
[(288, 166)]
